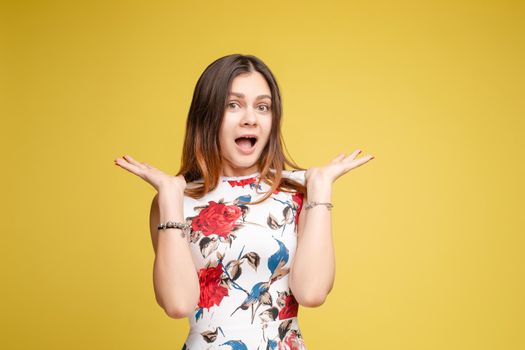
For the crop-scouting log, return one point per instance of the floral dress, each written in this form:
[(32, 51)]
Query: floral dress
[(243, 254)]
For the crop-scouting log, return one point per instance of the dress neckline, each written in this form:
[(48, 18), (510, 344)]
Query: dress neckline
[(241, 177)]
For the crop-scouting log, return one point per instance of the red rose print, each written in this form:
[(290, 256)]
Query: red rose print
[(217, 218), (242, 182), (290, 308), (211, 292), (298, 199), (292, 341)]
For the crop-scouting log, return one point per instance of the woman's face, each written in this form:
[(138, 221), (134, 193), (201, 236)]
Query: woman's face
[(248, 113)]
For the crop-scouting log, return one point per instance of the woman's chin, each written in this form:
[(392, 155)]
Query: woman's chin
[(239, 161)]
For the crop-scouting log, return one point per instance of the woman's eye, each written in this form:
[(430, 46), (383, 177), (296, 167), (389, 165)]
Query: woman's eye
[(232, 103), (267, 107)]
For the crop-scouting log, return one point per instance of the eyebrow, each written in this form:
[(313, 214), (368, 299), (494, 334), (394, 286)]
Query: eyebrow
[(238, 94)]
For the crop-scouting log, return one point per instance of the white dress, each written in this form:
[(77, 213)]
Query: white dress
[(243, 253)]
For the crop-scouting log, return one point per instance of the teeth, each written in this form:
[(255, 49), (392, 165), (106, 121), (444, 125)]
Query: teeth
[(252, 139)]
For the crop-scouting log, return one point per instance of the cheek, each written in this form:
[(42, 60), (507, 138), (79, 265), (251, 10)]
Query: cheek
[(268, 129), (224, 135), (266, 137), (223, 142)]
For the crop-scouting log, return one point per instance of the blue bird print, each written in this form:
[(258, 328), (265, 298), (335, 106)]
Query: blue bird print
[(277, 261), (272, 344), (259, 290), (243, 199), (235, 345)]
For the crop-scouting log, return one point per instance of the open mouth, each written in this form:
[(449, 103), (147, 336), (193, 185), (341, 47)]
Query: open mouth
[(246, 142)]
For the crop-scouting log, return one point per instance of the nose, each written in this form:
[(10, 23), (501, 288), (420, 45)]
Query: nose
[(249, 117)]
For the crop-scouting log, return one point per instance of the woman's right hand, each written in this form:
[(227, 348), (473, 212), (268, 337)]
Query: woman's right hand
[(158, 179)]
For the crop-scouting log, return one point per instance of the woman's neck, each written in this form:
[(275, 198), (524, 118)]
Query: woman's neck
[(228, 171)]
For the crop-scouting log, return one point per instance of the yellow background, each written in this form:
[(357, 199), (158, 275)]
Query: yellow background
[(429, 234)]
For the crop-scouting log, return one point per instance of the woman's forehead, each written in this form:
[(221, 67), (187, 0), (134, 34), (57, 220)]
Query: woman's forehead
[(253, 84)]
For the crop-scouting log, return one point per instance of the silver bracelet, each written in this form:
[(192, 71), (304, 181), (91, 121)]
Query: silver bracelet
[(310, 205), (173, 224), (184, 226)]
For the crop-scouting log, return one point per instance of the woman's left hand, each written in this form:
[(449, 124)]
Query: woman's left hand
[(337, 167)]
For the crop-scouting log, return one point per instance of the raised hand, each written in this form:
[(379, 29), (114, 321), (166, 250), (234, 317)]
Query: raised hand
[(337, 167), (155, 177)]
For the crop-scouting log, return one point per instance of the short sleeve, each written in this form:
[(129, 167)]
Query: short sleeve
[(296, 175)]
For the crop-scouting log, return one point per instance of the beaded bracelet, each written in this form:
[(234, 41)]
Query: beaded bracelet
[(310, 205), (173, 224), (184, 226)]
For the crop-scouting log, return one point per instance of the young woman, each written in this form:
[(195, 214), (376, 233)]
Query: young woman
[(234, 251)]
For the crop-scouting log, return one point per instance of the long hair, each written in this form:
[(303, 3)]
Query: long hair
[(201, 157)]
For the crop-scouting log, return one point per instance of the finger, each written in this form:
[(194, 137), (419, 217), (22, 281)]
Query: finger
[(128, 166), (358, 162), (338, 158), (352, 155), (133, 161)]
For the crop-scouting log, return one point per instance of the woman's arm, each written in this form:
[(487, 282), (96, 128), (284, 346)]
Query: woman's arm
[(175, 278), (313, 270)]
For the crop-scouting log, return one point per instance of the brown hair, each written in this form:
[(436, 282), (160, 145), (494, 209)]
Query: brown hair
[(201, 157)]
